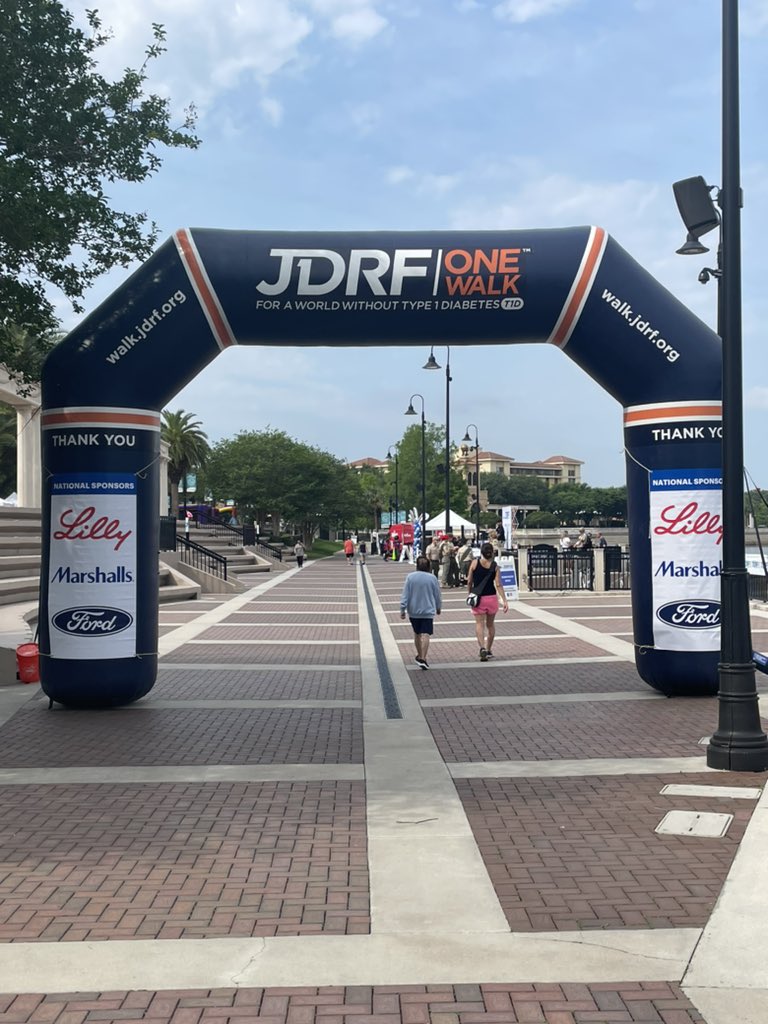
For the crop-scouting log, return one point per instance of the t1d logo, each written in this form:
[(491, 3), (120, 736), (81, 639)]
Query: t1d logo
[(91, 621), (690, 614)]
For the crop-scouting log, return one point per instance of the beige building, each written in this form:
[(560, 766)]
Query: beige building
[(557, 469), (369, 463)]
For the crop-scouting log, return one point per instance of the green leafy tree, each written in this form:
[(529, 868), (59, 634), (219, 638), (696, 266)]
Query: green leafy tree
[(188, 450), (66, 134), (515, 490), (410, 472), (273, 477), (374, 488)]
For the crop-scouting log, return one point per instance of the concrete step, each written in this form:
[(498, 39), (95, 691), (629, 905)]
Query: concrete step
[(11, 512), (248, 568), (20, 527), (19, 565), (20, 545), (178, 593), (14, 591)]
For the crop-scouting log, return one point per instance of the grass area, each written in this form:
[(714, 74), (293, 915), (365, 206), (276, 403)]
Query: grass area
[(323, 548)]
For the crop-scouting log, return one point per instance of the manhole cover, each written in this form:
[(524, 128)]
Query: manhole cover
[(693, 823)]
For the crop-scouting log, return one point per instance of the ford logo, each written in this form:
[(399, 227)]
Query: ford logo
[(690, 614), (91, 621)]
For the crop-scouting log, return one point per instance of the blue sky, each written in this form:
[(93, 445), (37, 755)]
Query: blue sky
[(433, 114)]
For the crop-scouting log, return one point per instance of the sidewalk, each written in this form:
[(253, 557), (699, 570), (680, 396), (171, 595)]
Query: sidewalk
[(300, 826)]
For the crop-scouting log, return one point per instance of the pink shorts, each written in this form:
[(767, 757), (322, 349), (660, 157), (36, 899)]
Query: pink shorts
[(487, 605)]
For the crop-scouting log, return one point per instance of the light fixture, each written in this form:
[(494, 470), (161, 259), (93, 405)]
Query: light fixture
[(431, 363)]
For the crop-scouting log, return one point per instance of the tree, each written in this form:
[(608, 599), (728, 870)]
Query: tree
[(409, 450), (188, 449), (514, 490), (270, 475), (66, 134)]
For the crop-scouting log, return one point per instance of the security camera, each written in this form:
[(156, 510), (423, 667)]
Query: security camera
[(704, 276)]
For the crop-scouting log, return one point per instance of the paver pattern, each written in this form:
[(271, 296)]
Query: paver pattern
[(143, 735), (539, 732), (567, 854), (100, 862), (617, 1003), (189, 684), (466, 629), (284, 633), (272, 653), (559, 646), (492, 680)]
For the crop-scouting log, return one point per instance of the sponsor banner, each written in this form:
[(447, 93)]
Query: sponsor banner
[(508, 521), (508, 574), (92, 570), (686, 558)]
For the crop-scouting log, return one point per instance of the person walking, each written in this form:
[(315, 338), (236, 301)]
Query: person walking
[(447, 553), (421, 600), (484, 578), (298, 550), (361, 550), (349, 550)]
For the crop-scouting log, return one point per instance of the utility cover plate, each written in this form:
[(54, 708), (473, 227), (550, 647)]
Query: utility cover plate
[(694, 823), (716, 792)]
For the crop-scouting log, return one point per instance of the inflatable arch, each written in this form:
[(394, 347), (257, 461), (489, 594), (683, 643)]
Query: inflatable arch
[(205, 290)]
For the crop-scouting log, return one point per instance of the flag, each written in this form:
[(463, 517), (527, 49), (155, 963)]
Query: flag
[(416, 533)]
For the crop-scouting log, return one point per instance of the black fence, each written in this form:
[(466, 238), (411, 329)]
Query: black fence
[(758, 587), (616, 568), (549, 568)]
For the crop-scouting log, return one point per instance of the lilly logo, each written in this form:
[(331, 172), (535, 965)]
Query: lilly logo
[(690, 614), (91, 621)]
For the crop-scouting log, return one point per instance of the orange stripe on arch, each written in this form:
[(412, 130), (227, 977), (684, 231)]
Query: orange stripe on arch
[(579, 292), (681, 412), (129, 419), (219, 326)]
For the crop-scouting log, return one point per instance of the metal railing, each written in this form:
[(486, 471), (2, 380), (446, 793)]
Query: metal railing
[(617, 575), (758, 587), (266, 549), (201, 558), (550, 569)]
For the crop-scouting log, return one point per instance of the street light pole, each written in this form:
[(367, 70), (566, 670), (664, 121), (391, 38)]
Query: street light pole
[(432, 364), (397, 495), (467, 439), (410, 411), (739, 743)]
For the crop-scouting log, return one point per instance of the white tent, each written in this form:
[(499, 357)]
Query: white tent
[(437, 525)]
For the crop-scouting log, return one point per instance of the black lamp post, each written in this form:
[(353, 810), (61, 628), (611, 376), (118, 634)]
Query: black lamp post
[(739, 744), (466, 440), (397, 496), (432, 364), (410, 411)]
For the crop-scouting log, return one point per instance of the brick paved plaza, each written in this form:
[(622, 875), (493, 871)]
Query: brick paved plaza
[(299, 825)]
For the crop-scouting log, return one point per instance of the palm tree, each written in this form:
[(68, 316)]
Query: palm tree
[(188, 449)]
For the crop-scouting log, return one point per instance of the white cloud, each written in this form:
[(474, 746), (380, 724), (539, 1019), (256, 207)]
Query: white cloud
[(520, 11), (756, 398), (422, 184), (754, 16), (272, 110), (214, 48)]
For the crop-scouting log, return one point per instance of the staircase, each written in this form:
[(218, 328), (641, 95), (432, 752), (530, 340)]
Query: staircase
[(20, 556), (241, 562), (20, 552)]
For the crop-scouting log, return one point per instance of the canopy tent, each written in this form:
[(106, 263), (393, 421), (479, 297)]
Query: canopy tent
[(437, 525)]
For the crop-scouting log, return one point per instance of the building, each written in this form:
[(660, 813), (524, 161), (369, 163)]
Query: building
[(369, 463), (557, 469)]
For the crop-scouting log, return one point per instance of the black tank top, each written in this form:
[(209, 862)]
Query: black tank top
[(483, 579)]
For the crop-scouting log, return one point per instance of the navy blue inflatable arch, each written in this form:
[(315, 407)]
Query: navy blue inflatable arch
[(105, 384)]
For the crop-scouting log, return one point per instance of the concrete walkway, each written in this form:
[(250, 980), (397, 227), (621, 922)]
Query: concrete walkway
[(298, 824)]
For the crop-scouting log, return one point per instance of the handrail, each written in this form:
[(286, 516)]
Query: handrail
[(201, 558), (268, 549)]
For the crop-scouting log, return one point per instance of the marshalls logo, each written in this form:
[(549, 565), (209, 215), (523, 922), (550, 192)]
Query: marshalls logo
[(91, 621), (690, 614)]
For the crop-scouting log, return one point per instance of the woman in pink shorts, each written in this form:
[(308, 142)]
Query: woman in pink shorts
[(484, 578)]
